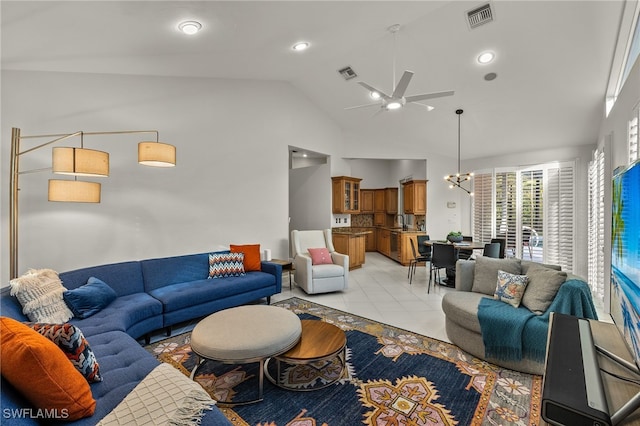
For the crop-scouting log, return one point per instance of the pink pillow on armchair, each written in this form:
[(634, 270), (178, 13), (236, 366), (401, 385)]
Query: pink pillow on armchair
[(320, 256)]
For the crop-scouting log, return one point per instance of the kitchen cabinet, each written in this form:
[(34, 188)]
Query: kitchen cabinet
[(346, 194), (391, 200), (384, 241), (370, 240), (406, 253), (378, 203), (351, 244), (367, 200), (415, 197)]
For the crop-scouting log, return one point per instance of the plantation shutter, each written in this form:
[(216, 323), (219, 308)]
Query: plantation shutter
[(506, 209), (482, 206), (559, 216), (531, 214), (596, 224)]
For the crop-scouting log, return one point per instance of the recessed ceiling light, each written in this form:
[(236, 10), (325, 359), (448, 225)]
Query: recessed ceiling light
[(300, 46), (190, 27), (374, 95), (486, 57)]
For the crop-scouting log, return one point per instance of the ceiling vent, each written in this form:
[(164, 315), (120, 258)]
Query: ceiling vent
[(347, 73), (480, 16)]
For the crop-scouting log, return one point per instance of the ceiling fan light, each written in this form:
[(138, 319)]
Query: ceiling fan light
[(394, 105)]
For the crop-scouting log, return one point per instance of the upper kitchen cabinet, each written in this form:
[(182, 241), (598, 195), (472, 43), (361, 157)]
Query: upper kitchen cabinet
[(415, 197), (367, 199), (346, 194), (391, 200)]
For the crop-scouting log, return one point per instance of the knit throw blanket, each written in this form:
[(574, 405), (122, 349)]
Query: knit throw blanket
[(164, 397), (510, 333)]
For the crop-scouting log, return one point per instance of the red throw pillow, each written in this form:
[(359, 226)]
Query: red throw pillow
[(39, 370), (320, 256), (251, 256)]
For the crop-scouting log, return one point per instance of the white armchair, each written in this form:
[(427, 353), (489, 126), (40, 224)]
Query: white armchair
[(318, 278)]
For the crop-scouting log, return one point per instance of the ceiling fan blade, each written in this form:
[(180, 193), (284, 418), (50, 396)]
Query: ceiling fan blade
[(424, 96), (381, 110), (373, 89), (402, 85), (428, 107), (362, 106)]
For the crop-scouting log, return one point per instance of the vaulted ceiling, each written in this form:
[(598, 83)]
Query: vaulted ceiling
[(552, 63)]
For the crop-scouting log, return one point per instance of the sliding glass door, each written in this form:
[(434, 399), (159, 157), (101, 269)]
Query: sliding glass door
[(532, 208)]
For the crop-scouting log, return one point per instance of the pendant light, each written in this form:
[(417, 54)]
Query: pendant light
[(456, 181)]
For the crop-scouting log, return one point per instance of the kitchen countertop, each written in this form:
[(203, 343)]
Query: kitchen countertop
[(351, 230)]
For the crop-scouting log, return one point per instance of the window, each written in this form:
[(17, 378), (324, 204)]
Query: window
[(596, 222), (531, 208)]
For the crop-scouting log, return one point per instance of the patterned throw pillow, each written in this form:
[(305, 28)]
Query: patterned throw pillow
[(39, 291), (222, 265), (70, 339), (510, 288)]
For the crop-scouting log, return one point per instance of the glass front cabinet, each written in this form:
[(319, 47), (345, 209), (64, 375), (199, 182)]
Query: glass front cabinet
[(346, 194)]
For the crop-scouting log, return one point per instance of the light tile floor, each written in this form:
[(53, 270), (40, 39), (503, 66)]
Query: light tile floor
[(380, 291)]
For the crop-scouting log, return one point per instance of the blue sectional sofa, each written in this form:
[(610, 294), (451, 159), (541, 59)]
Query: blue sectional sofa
[(152, 294)]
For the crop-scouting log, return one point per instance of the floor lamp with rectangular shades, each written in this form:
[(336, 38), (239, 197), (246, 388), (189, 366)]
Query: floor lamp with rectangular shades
[(75, 162)]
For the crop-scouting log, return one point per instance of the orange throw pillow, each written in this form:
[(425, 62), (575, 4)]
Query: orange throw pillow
[(251, 256), (39, 370)]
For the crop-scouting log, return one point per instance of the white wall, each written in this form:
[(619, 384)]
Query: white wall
[(310, 197), (230, 184)]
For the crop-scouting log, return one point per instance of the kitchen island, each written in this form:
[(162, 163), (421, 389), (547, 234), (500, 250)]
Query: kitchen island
[(351, 243)]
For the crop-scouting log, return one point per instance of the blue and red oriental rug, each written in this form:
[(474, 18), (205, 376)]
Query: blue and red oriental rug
[(393, 377)]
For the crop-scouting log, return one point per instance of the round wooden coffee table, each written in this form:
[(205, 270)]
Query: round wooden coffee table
[(319, 342)]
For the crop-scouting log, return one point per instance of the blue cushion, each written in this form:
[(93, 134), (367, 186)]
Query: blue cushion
[(90, 298), (172, 270), (124, 278)]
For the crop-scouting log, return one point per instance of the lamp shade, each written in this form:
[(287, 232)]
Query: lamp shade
[(156, 154), (80, 162), (74, 191)]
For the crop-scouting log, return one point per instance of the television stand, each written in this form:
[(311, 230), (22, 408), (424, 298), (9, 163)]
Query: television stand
[(622, 397), (634, 402)]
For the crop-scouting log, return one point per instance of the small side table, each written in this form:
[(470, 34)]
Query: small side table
[(287, 265)]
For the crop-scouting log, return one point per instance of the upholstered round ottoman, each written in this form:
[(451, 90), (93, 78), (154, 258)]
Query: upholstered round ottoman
[(244, 335)]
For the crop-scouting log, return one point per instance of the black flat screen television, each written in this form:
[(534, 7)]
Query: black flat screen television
[(625, 256)]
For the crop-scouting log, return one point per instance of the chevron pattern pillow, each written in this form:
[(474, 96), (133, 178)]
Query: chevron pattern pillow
[(70, 339), (222, 265)]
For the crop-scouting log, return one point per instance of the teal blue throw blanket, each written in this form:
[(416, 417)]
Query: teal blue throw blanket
[(512, 333)]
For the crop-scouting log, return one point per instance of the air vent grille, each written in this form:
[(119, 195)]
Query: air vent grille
[(347, 73), (480, 16)]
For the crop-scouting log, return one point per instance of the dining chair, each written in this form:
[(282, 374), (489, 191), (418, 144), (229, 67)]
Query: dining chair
[(423, 249), (465, 254), (503, 246), (417, 258), (491, 250), (442, 256)]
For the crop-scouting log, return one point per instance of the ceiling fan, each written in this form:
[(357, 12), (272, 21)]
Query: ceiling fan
[(397, 99)]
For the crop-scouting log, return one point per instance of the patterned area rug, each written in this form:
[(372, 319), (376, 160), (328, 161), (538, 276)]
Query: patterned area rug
[(392, 377)]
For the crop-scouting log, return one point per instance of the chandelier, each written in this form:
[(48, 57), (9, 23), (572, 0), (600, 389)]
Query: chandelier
[(456, 181)]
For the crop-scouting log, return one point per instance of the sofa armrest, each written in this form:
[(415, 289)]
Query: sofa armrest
[(275, 270), (465, 272)]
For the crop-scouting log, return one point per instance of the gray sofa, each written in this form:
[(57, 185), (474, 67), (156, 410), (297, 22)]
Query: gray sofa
[(549, 290)]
